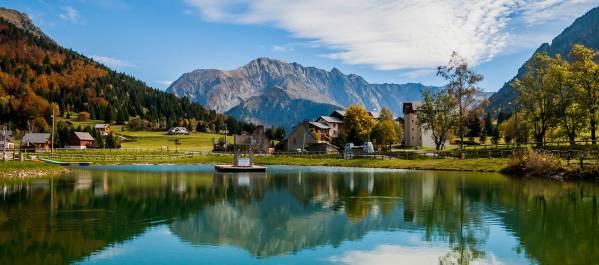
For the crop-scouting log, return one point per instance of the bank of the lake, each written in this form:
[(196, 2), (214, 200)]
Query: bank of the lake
[(479, 165), (29, 169)]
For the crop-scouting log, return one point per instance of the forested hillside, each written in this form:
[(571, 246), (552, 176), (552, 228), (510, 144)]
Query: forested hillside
[(36, 75), (584, 31)]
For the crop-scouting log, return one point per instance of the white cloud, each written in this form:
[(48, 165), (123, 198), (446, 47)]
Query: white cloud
[(164, 82), (281, 48), (538, 12), (112, 62), (393, 34), (399, 255), (70, 14), (416, 73)]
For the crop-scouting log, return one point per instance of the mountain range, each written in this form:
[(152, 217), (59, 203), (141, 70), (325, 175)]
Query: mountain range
[(274, 92), (584, 30)]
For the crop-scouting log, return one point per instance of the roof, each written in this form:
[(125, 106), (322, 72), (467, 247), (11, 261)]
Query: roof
[(36, 138), (84, 136), (319, 125), (331, 119), (340, 112), (296, 127), (102, 126)]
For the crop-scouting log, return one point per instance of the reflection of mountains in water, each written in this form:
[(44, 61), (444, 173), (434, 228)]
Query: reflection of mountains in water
[(278, 224)]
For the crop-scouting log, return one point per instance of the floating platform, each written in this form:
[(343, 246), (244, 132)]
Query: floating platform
[(231, 168), (67, 164)]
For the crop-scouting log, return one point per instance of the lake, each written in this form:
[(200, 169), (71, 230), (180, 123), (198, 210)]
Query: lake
[(295, 215)]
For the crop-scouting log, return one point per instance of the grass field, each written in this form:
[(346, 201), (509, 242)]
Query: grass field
[(482, 164), (157, 140), (195, 141)]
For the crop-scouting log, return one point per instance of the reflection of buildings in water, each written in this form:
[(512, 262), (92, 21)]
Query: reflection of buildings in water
[(428, 187)]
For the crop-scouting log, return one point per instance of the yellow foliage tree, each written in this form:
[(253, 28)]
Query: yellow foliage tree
[(357, 124)]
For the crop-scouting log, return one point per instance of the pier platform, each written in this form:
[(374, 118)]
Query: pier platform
[(231, 168)]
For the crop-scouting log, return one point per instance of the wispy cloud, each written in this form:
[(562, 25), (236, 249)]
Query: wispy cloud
[(392, 34), (282, 48), (70, 14), (399, 255), (164, 82), (417, 73), (113, 62)]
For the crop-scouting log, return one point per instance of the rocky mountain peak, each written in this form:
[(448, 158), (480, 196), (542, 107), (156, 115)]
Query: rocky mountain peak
[(20, 20), (252, 89)]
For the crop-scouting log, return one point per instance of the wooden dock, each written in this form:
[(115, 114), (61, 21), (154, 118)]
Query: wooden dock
[(66, 164), (231, 168)]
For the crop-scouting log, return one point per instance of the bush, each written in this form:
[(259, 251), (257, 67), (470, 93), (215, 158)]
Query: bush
[(534, 164), (83, 116)]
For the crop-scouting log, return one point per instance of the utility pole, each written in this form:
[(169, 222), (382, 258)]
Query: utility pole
[(4, 144), (517, 127), (52, 140)]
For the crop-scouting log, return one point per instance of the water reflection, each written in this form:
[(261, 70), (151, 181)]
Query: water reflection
[(279, 214)]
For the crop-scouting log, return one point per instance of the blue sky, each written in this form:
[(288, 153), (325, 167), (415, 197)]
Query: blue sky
[(381, 40)]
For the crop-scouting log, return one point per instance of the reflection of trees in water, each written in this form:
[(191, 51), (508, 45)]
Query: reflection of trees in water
[(307, 210), (554, 224), (288, 211), (60, 220)]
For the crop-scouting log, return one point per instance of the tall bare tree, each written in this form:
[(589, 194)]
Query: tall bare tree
[(437, 116), (462, 88)]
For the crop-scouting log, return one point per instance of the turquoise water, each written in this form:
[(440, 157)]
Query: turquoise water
[(295, 215)]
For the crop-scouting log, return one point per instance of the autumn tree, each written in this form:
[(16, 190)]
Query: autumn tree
[(585, 72), (386, 129), (357, 124), (437, 115), (83, 116), (569, 111), (461, 89)]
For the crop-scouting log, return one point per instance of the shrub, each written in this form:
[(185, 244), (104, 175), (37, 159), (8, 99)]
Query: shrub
[(535, 164)]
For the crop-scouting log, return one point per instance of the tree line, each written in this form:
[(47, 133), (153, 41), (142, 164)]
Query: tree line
[(559, 95)]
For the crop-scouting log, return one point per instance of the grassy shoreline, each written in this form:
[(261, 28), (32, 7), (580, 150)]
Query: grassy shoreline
[(479, 165), (28, 169)]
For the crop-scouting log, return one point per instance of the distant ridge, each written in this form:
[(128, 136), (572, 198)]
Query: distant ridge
[(246, 92)]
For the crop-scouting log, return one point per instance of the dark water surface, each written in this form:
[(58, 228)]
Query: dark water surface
[(295, 215)]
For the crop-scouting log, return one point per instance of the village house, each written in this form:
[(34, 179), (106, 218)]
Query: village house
[(322, 147), (414, 135), (335, 124), (37, 141), (320, 131), (81, 140), (261, 141), (7, 138), (178, 131), (298, 139), (339, 114), (103, 129)]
